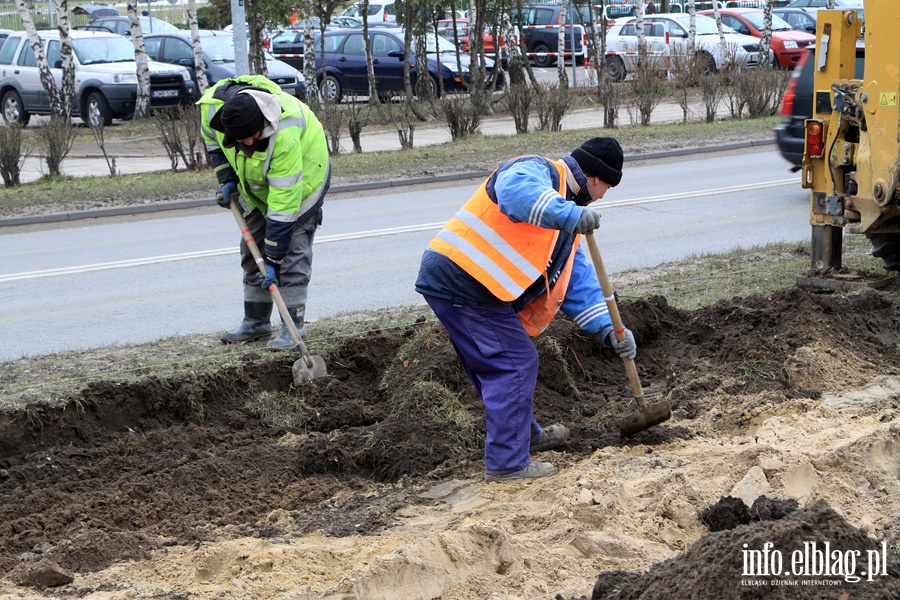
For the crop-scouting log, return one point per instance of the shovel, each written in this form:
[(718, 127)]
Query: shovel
[(309, 366), (646, 415)]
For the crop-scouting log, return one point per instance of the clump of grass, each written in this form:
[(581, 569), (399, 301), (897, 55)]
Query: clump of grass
[(279, 409)]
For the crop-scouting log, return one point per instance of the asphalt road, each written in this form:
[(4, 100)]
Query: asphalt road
[(137, 279)]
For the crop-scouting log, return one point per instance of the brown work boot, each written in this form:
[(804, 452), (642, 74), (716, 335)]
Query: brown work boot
[(551, 437), (532, 471)]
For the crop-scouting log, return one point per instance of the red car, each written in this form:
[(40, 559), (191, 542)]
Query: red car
[(787, 43), (461, 39)]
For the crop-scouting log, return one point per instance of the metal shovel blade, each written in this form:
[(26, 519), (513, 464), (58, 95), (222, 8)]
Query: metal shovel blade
[(311, 366), (645, 417)]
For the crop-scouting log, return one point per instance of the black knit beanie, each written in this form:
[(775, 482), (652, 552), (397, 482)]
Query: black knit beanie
[(601, 157), (241, 117)]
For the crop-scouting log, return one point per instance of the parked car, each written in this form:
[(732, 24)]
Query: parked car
[(96, 11), (379, 10), (622, 43), (105, 78), (787, 43), (344, 71), (218, 58), (540, 27), (797, 105), (798, 18), (346, 21), (816, 5), (122, 25), (460, 37)]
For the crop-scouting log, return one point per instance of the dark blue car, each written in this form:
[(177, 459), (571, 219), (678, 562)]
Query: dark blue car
[(345, 64)]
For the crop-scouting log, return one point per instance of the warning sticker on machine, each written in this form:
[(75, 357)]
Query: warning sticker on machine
[(887, 99)]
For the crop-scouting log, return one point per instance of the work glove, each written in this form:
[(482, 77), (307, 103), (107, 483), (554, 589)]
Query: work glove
[(588, 221), (273, 272), (627, 348), (225, 193)]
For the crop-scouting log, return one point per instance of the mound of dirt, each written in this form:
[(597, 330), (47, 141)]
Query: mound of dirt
[(368, 483), (811, 554)]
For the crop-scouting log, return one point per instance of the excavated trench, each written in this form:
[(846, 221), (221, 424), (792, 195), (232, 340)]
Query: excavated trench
[(128, 468)]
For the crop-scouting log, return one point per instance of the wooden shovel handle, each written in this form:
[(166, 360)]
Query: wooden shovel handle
[(618, 327), (273, 289)]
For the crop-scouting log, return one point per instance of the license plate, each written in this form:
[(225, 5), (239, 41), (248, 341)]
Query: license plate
[(289, 90), (165, 94)]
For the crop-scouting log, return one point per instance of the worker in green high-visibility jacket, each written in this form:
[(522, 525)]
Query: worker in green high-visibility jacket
[(270, 156)]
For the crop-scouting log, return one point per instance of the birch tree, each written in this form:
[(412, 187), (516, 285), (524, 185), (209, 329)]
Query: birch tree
[(561, 46), (309, 62), (257, 54), (766, 42), (692, 34), (199, 64), (142, 104), (62, 96)]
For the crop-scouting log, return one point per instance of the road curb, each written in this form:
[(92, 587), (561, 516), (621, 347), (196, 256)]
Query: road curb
[(353, 187)]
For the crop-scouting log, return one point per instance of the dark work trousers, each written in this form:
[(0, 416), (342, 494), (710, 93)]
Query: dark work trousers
[(296, 269), (502, 363)]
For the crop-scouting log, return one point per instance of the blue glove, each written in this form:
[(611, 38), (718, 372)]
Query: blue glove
[(273, 272), (627, 348), (223, 196), (588, 221)]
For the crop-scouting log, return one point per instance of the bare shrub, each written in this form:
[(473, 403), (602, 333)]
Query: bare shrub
[(648, 87), (13, 151), (332, 118), (553, 103), (712, 89), (463, 115), (612, 96), (99, 132), (518, 99), (357, 117), (57, 137), (179, 132), (686, 70)]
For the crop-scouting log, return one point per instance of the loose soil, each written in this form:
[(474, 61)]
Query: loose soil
[(371, 485)]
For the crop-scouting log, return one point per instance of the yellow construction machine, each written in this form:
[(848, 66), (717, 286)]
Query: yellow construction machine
[(851, 160)]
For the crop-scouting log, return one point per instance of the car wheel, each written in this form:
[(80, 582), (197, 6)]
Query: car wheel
[(13, 109), (886, 246), (96, 111), (614, 69), (708, 63), (433, 89), (542, 61), (330, 88)]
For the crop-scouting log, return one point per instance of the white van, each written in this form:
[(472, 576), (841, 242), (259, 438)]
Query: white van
[(379, 10)]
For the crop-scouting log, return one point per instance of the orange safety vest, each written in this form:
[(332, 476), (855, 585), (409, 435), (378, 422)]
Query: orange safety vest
[(506, 257)]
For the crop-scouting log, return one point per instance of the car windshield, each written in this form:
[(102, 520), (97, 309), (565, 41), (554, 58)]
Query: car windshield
[(705, 25), (439, 44), (756, 19), (219, 48), (93, 50)]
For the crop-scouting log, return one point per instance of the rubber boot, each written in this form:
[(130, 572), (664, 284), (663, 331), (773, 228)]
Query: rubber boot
[(256, 324), (284, 341)]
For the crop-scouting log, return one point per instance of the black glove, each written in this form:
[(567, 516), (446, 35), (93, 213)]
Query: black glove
[(273, 272), (223, 196), (627, 348), (588, 221)]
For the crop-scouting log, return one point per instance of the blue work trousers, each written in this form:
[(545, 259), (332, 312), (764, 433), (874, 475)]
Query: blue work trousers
[(502, 363)]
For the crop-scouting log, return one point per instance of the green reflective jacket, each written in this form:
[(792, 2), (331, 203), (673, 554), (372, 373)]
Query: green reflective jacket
[(284, 177)]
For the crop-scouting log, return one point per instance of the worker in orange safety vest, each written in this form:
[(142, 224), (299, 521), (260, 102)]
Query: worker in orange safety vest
[(497, 274)]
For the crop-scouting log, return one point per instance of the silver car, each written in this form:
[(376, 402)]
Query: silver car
[(667, 35)]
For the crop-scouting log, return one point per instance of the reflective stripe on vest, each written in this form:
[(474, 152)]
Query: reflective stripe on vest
[(504, 256)]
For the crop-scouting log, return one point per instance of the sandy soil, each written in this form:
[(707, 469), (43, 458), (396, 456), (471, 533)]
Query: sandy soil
[(371, 487)]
